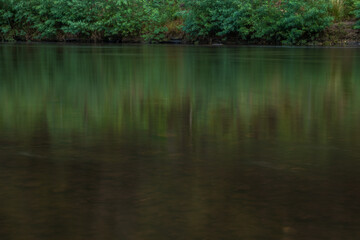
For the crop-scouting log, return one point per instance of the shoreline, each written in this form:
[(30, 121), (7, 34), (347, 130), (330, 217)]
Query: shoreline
[(105, 43), (339, 34)]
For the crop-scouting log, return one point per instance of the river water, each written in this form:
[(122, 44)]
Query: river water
[(179, 142)]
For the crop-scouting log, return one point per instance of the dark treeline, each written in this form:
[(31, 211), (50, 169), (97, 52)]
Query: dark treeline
[(255, 21)]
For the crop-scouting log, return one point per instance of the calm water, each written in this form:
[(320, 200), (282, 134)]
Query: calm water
[(179, 142)]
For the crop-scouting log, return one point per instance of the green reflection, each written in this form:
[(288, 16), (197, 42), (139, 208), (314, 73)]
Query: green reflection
[(227, 92)]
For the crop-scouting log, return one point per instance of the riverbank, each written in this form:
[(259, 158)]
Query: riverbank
[(338, 34), (273, 22), (342, 33)]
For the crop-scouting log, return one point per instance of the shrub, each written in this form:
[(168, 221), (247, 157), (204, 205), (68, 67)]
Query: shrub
[(157, 14), (6, 16), (357, 14), (211, 18), (119, 18), (292, 21), (85, 19), (266, 21), (286, 21), (342, 10)]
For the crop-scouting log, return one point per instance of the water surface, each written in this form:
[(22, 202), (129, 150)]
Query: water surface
[(179, 142)]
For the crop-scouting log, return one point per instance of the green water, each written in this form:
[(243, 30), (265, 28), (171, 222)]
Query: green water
[(179, 142)]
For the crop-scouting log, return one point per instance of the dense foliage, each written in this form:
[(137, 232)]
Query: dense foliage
[(357, 14), (287, 21), (257, 21), (342, 10), (84, 19)]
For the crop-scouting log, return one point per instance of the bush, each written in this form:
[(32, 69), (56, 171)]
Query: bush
[(259, 21), (286, 22), (6, 16), (342, 10), (291, 21), (157, 14), (44, 19), (85, 19), (94, 19), (211, 18), (357, 15)]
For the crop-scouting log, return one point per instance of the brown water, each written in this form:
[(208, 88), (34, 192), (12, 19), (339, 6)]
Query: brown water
[(179, 142)]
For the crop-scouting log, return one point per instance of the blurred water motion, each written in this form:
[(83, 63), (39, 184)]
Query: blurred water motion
[(179, 142)]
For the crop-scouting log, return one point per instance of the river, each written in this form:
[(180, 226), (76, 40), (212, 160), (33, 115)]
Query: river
[(163, 142)]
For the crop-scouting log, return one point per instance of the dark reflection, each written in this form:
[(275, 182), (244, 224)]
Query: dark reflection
[(162, 142)]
